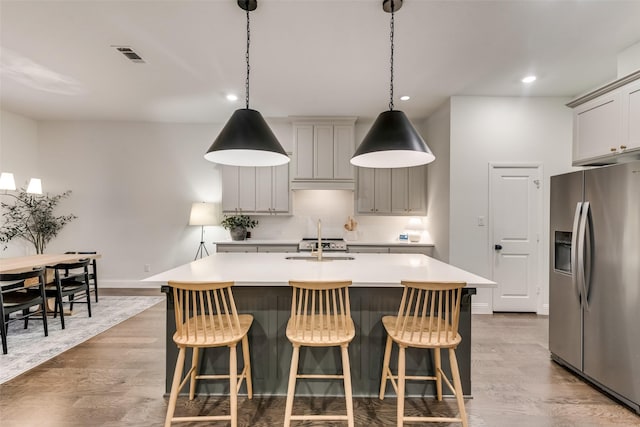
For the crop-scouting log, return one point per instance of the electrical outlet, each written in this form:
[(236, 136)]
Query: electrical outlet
[(147, 268)]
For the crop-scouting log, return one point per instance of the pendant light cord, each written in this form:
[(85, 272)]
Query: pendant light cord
[(391, 38), (246, 84)]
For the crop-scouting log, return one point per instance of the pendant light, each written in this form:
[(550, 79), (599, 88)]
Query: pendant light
[(392, 141), (246, 139)]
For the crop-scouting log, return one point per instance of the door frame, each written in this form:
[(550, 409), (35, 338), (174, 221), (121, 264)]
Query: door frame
[(540, 222)]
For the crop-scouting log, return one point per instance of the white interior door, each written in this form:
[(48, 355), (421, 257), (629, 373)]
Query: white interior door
[(515, 204)]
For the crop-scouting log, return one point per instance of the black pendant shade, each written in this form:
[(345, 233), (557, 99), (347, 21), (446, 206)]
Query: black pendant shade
[(246, 140), (392, 142)]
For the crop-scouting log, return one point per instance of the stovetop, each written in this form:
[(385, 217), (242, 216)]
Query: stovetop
[(336, 244)]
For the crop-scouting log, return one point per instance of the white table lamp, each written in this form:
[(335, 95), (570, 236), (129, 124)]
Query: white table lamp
[(35, 186), (7, 182), (203, 214)]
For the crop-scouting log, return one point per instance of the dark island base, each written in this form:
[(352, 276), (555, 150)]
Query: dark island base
[(271, 350)]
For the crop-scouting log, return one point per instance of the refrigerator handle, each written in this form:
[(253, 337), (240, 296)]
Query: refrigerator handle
[(584, 256), (575, 250)]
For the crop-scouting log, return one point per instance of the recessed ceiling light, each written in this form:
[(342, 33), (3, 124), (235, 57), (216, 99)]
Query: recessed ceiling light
[(529, 79), (405, 98), (232, 97)]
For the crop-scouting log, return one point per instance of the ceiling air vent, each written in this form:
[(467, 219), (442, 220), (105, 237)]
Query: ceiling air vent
[(130, 53)]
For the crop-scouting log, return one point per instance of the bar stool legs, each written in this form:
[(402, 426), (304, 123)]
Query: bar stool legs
[(348, 393), (291, 390)]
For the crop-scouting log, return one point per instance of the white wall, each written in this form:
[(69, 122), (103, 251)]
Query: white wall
[(629, 60), (437, 131), (18, 155), (133, 184), (501, 129)]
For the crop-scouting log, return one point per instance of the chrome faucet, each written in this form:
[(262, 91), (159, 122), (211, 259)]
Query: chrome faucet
[(318, 251)]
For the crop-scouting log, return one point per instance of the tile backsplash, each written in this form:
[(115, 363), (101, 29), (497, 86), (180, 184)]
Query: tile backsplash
[(333, 207)]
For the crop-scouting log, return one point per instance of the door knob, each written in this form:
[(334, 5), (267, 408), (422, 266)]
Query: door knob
[(497, 247)]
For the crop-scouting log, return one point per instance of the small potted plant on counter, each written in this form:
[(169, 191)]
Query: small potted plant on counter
[(238, 225)]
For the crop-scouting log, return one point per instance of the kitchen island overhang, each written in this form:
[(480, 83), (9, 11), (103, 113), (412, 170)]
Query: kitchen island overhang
[(262, 289)]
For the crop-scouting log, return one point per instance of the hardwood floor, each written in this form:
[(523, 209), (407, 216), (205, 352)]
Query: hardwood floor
[(117, 379)]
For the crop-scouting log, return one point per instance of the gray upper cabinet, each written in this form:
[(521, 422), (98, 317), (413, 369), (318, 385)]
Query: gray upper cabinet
[(256, 190), (322, 152), (238, 189), (606, 123), (401, 191), (631, 115)]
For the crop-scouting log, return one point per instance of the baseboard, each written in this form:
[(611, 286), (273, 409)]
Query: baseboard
[(480, 308), (131, 284), (545, 310)]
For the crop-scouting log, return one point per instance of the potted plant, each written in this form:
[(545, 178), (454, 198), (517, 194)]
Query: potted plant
[(238, 225), (31, 218)]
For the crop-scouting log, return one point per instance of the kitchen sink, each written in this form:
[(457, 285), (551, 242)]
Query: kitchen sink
[(324, 258)]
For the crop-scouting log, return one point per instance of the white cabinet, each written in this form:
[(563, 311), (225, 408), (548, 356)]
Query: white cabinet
[(606, 123), (597, 127), (322, 152), (374, 191), (255, 190), (272, 189), (238, 189), (400, 191), (408, 191), (631, 116)]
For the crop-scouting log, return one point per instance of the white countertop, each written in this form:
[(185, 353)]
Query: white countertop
[(258, 242), (387, 243), (273, 269), (295, 242)]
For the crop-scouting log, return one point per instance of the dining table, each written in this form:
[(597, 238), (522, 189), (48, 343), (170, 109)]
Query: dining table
[(27, 262)]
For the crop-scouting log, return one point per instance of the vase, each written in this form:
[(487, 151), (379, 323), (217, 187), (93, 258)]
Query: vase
[(238, 233)]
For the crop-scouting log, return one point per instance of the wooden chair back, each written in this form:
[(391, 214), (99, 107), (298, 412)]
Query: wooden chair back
[(320, 312), (205, 313), (429, 312)]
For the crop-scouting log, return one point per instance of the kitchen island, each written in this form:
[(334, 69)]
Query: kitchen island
[(262, 289)]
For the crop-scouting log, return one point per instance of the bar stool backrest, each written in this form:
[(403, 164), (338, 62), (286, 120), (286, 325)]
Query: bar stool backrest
[(320, 311), (205, 313), (429, 312)]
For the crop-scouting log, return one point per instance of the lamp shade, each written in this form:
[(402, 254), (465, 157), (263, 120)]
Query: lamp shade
[(204, 214), (35, 186), (392, 142), (7, 182), (247, 140)]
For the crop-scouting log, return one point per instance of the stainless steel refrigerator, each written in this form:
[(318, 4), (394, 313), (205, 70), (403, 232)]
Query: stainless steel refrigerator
[(594, 283)]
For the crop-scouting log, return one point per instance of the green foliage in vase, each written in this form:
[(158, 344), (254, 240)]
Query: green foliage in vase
[(31, 218), (242, 221)]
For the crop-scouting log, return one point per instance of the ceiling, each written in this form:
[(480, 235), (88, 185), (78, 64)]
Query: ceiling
[(308, 57)]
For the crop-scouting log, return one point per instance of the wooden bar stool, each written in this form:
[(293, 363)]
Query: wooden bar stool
[(320, 317), (206, 316), (428, 318)]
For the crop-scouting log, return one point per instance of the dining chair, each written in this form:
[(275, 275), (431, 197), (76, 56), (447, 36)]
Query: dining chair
[(320, 317), (428, 318), (206, 317), (70, 280), (93, 270), (16, 298)]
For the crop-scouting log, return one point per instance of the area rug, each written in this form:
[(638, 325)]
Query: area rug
[(29, 347)]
